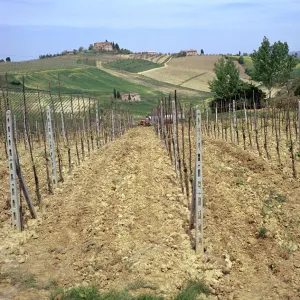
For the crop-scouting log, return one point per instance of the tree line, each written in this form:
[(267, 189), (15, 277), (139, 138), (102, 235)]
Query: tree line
[(81, 49), (272, 66), (6, 60)]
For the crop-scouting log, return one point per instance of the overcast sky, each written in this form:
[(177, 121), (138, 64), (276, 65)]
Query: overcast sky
[(32, 27)]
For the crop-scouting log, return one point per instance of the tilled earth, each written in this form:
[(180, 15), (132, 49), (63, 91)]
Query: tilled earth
[(121, 218)]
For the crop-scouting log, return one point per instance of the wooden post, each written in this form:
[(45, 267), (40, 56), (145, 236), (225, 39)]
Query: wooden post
[(51, 146), (175, 138)]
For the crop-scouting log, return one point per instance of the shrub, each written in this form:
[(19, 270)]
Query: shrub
[(241, 60)]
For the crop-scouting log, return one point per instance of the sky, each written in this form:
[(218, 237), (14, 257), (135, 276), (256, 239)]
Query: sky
[(32, 27)]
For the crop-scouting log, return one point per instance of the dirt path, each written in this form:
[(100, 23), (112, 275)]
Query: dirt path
[(121, 218)]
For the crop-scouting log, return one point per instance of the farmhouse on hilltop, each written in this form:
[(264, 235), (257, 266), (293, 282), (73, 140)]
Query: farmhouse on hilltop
[(103, 46), (132, 97), (190, 52)]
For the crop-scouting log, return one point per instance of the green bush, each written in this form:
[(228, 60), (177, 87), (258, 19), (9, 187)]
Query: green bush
[(297, 91), (241, 60)]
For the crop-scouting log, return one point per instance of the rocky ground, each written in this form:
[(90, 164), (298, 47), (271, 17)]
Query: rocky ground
[(121, 218)]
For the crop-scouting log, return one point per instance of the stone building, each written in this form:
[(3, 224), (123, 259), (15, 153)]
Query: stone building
[(103, 46)]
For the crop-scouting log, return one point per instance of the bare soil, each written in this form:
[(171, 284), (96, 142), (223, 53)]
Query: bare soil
[(121, 217)]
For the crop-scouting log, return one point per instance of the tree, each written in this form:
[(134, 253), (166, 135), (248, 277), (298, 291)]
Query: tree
[(91, 47), (129, 97), (202, 52), (239, 53), (106, 41), (117, 47), (2, 60), (115, 94), (241, 60), (118, 95), (297, 91), (75, 51), (227, 80), (81, 49), (8, 59), (272, 64)]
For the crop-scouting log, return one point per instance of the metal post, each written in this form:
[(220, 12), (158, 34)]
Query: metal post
[(51, 146), (15, 128), (199, 184), (15, 207), (175, 137), (245, 113)]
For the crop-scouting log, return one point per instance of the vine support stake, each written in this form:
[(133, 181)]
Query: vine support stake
[(175, 137), (198, 185), (51, 146), (15, 206)]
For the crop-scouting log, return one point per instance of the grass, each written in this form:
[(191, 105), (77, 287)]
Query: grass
[(248, 64), (190, 292), (91, 293), (23, 280), (132, 65), (80, 80)]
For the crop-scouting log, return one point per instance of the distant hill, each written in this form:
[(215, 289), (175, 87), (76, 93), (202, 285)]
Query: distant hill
[(298, 53)]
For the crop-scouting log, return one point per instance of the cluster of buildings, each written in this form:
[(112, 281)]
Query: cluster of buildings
[(132, 97)]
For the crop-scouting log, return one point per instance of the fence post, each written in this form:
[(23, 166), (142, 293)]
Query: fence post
[(15, 206), (51, 146), (198, 184)]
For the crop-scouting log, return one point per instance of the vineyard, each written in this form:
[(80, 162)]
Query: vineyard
[(197, 201), (132, 65)]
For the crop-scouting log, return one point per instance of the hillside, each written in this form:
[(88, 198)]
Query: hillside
[(58, 63), (120, 221), (132, 65), (90, 81)]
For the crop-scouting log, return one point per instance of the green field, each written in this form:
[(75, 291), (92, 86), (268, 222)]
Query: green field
[(132, 65), (89, 81), (57, 63), (247, 59)]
